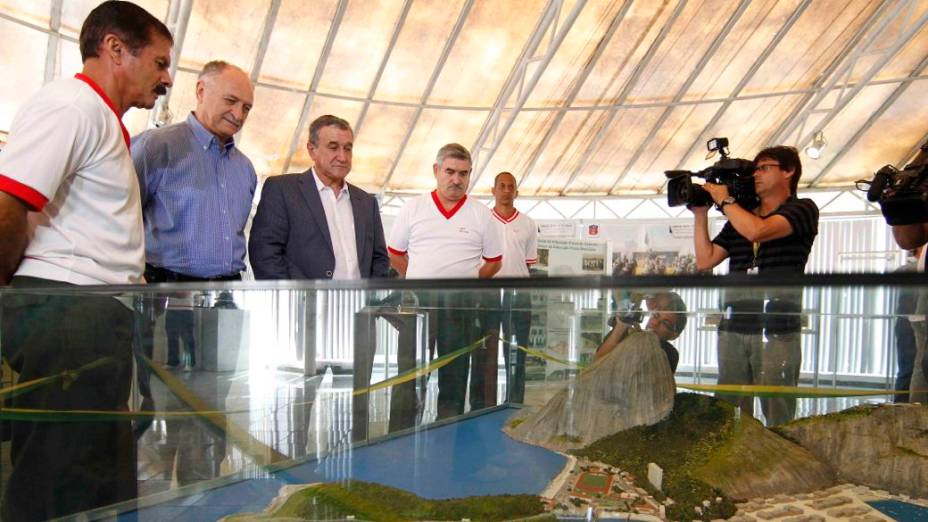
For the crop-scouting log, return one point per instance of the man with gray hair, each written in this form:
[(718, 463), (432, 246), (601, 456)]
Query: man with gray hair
[(441, 235), (196, 186), (316, 225)]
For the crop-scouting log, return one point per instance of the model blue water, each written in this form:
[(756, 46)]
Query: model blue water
[(898, 510), (467, 458)]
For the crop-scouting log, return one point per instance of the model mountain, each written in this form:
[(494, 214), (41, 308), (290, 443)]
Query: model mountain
[(630, 386), (884, 447)]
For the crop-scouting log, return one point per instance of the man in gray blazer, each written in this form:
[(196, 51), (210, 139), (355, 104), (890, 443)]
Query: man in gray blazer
[(315, 225)]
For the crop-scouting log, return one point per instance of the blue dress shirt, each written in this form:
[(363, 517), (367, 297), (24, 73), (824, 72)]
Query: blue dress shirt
[(196, 198)]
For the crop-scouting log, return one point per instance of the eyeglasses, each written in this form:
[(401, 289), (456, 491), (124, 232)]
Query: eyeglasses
[(766, 168)]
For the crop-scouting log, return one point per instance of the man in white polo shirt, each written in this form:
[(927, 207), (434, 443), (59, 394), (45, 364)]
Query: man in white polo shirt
[(70, 214), (512, 314), (441, 235)]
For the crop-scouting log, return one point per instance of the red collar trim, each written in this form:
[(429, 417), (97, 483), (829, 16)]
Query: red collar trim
[(447, 213), (504, 220), (109, 103)]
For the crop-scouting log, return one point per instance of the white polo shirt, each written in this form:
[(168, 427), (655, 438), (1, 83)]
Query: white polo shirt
[(445, 244), (339, 217), (520, 244), (68, 160)]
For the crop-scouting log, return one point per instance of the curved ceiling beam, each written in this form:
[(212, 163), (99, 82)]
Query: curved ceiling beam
[(436, 71), (494, 131), (885, 55), (887, 103), (397, 29), (748, 76), (623, 96), (681, 92), (269, 20), (317, 77), (837, 69), (575, 90)]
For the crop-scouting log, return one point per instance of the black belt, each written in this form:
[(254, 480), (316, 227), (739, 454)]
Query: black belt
[(157, 274)]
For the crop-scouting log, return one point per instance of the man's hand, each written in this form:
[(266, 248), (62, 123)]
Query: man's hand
[(489, 269), (718, 192), (699, 211), (399, 263), (13, 235)]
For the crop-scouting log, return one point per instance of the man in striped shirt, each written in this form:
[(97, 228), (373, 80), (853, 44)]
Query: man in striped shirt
[(197, 186), (776, 237)]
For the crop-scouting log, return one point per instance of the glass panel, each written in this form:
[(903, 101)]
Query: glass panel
[(223, 30), (265, 139), (815, 40), (485, 45), (569, 139), (518, 146), (912, 52), (293, 51), (36, 12), (680, 51), (408, 71), (889, 140), (575, 51), (27, 58), (635, 34), (378, 143), (434, 129), (365, 32), (741, 48), (629, 128), (671, 141), (462, 389)]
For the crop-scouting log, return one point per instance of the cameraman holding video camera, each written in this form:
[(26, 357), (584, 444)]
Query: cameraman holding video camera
[(775, 237)]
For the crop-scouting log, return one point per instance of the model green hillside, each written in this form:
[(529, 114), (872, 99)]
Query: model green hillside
[(707, 453), (367, 501)]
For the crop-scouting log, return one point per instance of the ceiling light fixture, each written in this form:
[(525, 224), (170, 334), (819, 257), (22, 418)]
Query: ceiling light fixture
[(814, 151)]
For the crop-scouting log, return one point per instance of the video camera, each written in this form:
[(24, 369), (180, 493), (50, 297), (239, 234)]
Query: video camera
[(902, 194), (735, 173)]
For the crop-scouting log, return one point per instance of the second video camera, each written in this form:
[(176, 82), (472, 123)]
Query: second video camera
[(902, 194), (736, 173)]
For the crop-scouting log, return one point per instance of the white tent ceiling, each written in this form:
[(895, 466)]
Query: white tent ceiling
[(576, 97)]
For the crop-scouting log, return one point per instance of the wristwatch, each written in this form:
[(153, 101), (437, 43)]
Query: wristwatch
[(727, 201)]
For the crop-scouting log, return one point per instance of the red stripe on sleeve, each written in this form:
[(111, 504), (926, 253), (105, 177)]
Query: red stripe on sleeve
[(493, 259), (27, 194), (396, 252)]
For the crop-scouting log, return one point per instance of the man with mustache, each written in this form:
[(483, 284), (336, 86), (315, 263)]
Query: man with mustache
[(70, 215), (441, 235), (197, 186)]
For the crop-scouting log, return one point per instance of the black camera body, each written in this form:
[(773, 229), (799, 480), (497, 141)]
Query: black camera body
[(902, 194), (735, 173)]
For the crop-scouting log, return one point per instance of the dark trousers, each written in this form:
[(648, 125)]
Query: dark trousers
[(452, 325), (510, 317), (61, 468), (905, 357), (178, 326)]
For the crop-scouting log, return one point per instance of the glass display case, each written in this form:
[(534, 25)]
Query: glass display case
[(646, 398)]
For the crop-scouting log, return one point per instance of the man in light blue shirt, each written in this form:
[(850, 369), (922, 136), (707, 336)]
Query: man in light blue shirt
[(196, 186)]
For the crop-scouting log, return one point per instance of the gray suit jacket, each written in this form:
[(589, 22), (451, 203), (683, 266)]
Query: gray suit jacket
[(290, 235)]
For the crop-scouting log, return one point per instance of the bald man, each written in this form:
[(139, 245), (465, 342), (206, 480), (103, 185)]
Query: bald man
[(196, 186)]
